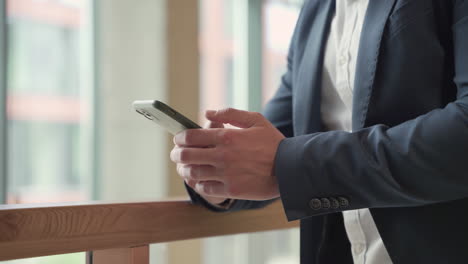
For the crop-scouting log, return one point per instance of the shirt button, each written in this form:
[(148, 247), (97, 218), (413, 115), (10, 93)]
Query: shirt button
[(334, 203), (358, 248), (343, 60), (343, 202), (315, 204), (325, 203)]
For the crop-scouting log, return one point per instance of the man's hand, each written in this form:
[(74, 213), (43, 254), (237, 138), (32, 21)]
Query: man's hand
[(230, 163), (192, 183)]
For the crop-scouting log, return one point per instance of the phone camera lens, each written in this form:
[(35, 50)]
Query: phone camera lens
[(150, 117)]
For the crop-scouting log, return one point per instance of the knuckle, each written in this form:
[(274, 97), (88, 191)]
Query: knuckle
[(230, 156), (222, 157), (257, 115), (229, 110), (226, 136), (227, 156), (226, 111)]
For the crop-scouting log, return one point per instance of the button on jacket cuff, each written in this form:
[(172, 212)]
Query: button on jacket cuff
[(304, 190)]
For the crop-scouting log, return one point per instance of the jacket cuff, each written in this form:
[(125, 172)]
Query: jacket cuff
[(304, 191)]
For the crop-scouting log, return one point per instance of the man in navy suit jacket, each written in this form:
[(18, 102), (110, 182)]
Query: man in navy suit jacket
[(406, 158)]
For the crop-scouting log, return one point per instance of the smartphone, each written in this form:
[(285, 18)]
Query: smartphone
[(164, 115)]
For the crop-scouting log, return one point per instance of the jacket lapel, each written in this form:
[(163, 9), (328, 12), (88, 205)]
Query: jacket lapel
[(377, 14), (308, 84)]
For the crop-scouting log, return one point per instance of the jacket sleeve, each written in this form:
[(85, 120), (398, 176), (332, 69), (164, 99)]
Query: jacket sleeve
[(418, 162)]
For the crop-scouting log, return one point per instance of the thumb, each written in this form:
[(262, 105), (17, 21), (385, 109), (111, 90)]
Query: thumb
[(235, 117)]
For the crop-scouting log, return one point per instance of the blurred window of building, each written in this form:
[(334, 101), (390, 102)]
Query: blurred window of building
[(216, 53), (74, 68), (49, 108), (277, 35), (222, 49)]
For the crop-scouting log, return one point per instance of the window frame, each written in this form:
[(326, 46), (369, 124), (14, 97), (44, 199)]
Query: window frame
[(96, 122), (255, 54), (3, 114), (248, 31)]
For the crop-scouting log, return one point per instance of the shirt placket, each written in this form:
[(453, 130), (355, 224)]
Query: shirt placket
[(343, 78), (345, 90), (356, 236)]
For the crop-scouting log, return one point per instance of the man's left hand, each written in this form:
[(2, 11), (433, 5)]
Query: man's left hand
[(230, 163)]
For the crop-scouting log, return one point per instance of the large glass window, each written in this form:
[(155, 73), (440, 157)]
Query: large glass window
[(277, 34), (217, 50), (49, 107)]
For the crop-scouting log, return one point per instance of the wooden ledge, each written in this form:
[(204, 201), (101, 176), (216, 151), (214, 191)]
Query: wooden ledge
[(41, 230)]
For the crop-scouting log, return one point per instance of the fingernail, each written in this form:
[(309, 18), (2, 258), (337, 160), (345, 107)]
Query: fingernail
[(177, 138), (180, 138), (198, 187)]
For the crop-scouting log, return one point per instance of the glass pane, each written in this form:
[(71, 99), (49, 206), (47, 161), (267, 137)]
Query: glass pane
[(216, 54), (277, 35), (75, 258), (49, 105)]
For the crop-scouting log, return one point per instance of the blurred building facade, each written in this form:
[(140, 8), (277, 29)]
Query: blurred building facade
[(48, 100)]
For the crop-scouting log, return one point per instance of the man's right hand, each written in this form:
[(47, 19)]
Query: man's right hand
[(192, 183), (211, 199)]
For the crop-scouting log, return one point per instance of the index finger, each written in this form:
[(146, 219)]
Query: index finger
[(198, 137)]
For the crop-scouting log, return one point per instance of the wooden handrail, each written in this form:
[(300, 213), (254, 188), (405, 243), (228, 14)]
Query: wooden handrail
[(41, 230)]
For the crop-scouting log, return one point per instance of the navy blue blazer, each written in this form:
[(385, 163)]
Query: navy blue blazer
[(406, 158)]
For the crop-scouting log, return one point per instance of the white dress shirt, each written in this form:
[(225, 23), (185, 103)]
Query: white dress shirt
[(336, 108)]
